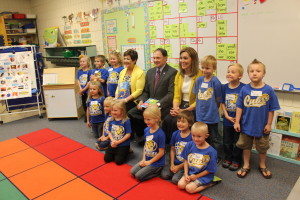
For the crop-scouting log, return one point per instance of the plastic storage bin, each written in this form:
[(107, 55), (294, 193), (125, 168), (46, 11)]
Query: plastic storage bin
[(19, 16)]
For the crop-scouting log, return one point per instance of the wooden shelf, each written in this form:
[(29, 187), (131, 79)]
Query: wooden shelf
[(19, 34)]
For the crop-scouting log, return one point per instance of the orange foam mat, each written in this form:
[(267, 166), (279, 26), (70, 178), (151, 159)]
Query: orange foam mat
[(157, 188), (76, 189), (39, 137), (11, 146), (111, 178), (41, 179), (81, 161), (21, 161), (58, 147)]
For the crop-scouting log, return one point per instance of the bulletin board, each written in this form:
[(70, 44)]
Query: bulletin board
[(125, 27)]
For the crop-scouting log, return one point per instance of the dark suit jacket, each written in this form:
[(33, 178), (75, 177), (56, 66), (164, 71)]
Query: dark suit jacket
[(164, 91)]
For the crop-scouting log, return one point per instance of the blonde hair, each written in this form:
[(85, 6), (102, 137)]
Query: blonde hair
[(200, 126), (108, 99), (119, 103), (255, 61), (194, 64), (118, 56), (100, 91), (153, 112), (239, 66), (88, 60), (209, 60)]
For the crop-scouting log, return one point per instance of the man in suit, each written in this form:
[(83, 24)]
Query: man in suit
[(159, 85)]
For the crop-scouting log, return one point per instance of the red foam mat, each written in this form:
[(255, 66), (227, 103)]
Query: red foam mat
[(157, 188), (39, 137)]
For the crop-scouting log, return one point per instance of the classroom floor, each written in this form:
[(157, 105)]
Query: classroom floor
[(67, 162)]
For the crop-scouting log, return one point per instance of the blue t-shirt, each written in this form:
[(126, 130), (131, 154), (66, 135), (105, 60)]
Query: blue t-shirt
[(83, 77), (179, 143), (119, 129), (154, 141), (207, 110), (103, 74), (108, 119), (256, 105), (112, 81), (229, 98), (96, 110), (200, 160)]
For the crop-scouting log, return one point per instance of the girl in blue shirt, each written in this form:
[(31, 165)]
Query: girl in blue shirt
[(115, 60)]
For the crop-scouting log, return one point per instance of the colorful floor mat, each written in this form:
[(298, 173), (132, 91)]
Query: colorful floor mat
[(45, 165)]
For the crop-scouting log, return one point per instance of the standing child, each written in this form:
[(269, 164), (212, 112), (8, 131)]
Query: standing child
[(200, 161), (83, 79), (185, 120), (254, 114), (114, 70), (230, 93), (154, 149), (95, 113), (208, 93), (100, 73), (104, 141), (119, 134)]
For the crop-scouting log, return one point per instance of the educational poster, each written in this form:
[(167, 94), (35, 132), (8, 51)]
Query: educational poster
[(140, 48), (50, 37), (209, 26), (17, 75), (78, 34)]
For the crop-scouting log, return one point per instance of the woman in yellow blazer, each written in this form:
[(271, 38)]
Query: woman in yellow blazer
[(184, 98), (131, 80)]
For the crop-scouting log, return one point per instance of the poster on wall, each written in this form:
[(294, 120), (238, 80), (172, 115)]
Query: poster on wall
[(53, 38), (17, 75)]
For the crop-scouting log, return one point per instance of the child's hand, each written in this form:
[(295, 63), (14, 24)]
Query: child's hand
[(114, 144), (101, 80), (231, 119), (193, 177), (88, 124), (142, 163), (80, 92), (267, 129), (174, 168), (237, 127), (187, 178), (147, 163), (99, 139), (103, 138)]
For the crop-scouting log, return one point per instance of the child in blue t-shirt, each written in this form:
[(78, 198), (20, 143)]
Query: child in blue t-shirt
[(83, 79), (119, 132), (230, 93), (95, 113), (256, 104), (180, 138), (200, 161), (154, 150), (208, 93), (115, 60), (100, 73), (104, 141)]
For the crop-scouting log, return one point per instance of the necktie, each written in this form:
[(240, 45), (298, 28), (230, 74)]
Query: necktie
[(156, 78)]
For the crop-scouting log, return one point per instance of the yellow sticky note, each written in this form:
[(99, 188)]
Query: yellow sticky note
[(201, 24), (167, 10), (183, 8)]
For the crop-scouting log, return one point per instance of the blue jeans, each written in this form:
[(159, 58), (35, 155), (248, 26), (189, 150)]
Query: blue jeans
[(215, 139), (168, 174), (145, 173), (231, 151), (97, 129)]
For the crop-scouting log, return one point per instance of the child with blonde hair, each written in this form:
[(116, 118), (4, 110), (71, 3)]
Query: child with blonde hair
[(83, 79), (119, 132), (256, 104), (200, 161), (230, 93), (115, 60), (208, 90), (154, 149), (104, 141), (100, 73)]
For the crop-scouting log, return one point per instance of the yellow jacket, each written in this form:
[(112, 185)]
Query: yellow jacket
[(137, 81), (178, 85)]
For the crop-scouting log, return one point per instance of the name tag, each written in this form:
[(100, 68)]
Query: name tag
[(256, 93), (230, 96), (204, 85), (110, 69), (94, 102)]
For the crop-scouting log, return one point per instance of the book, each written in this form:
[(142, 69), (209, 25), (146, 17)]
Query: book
[(275, 143), (276, 114), (150, 101), (290, 147), (295, 124), (283, 123)]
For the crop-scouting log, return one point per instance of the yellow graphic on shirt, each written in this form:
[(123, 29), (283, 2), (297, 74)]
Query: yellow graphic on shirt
[(95, 108), (150, 146), (198, 160), (106, 124), (205, 95), (230, 102), (97, 73), (117, 132), (83, 79), (257, 102), (113, 77), (179, 146)]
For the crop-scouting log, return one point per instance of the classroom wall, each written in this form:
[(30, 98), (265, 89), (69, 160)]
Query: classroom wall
[(21, 6)]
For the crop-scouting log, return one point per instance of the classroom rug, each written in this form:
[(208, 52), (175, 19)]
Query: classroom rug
[(45, 165)]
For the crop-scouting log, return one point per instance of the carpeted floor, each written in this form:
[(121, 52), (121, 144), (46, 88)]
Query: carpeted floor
[(254, 186)]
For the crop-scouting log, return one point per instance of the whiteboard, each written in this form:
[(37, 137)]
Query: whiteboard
[(270, 32)]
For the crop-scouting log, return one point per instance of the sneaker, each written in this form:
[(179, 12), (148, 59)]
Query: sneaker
[(234, 166), (226, 163)]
